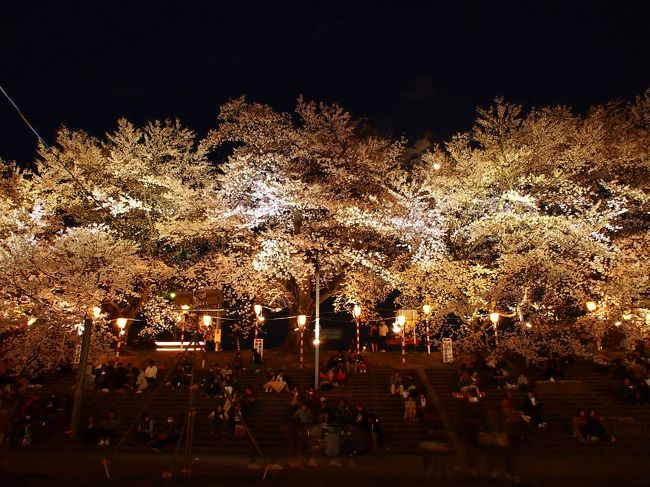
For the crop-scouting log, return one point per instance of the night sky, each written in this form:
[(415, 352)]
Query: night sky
[(408, 67)]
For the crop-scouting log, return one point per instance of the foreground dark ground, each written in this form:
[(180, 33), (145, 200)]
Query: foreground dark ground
[(64, 468)]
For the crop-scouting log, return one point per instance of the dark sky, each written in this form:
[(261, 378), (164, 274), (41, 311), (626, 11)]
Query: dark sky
[(409, 67)]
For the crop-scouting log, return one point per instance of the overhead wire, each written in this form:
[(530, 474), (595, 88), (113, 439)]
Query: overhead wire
[(76, 180)]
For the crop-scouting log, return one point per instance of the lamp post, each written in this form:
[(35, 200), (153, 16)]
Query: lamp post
[(399, 326), (207, 321), (258, 317), (317, 329), (121, 324), (591, 307), (302, 320), (427, 312), (494, 318), (184, 311), (357, 317)]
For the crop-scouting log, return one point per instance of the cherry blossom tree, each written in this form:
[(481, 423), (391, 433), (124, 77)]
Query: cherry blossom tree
[(535, 209), (51, 280), (151, 185), (310, 192)]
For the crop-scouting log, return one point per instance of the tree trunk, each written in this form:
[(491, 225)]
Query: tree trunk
[(305, 304)]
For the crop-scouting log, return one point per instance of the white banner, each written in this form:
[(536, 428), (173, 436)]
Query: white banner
[(447, 350)]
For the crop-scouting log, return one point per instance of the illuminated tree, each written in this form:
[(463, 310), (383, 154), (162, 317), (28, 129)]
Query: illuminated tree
[(152, 185), (310, 190), (535, 209), (51, 280)]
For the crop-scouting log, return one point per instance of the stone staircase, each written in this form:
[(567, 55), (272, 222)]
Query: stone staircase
[(631, 424), (267, 422)]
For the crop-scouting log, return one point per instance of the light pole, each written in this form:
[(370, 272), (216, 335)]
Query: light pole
[(258, 317), (357, 317), (207, 321), (494, 318), (302, 320), (184, 311), (400, 326), (121, 324), (591, 307), (427, 312), (317, 329)]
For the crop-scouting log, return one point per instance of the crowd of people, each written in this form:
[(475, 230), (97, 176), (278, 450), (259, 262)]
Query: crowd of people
[(415, 400), (25, 412), (320, 431), (316, 429), (633, 372), (115, 376), (335, 372)]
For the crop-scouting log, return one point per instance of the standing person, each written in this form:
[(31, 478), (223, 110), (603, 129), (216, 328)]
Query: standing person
[(361, 431), (373, 335), (376, 435), (410, 410), (237, 363), (151, 372), (383, 332), (257, 360)]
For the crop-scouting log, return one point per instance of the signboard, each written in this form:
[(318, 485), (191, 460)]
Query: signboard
[(258, 345), (447, 350), (217, 339)]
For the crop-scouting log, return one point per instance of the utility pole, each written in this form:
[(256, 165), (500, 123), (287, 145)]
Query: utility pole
[(317, 330)]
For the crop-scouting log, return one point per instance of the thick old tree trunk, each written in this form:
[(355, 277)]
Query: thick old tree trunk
[(305, 303)]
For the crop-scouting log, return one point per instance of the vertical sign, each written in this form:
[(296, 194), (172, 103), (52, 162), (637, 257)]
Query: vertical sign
[(217, 339), (258, 345), (77, 354), (447, 350)]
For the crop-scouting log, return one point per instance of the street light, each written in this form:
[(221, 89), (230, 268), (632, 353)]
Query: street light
[(426, 308), (591, 305), (494, 318), (436, 166), (400, 323), (302, 320), (31, 321), (121, 324), (357, 316), (258, 317), (207, 320)]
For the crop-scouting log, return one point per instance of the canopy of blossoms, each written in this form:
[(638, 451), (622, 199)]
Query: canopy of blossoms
[(529, 214)]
